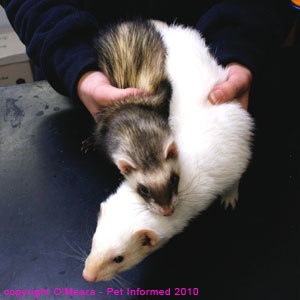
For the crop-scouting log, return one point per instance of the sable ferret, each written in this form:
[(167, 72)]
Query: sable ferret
[(134, 132)]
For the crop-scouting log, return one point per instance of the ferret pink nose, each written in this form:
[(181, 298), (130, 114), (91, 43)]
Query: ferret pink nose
[(168, 211), (88, 277)]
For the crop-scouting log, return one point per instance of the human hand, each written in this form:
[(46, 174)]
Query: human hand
[(237, 86), (95, 91)]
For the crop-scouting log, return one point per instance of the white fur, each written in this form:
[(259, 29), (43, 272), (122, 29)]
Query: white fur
[(213, 143)]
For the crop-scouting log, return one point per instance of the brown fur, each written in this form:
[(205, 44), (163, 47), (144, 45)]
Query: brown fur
[(138, 56), (134, 131)]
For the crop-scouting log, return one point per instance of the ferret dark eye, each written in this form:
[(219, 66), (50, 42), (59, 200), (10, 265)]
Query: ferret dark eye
[(118, 259), (143, 191), (174, 180)]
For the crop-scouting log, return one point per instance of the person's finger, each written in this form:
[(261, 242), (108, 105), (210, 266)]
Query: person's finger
[(123, 93), (107, 94), (236, 85), (244, 100)]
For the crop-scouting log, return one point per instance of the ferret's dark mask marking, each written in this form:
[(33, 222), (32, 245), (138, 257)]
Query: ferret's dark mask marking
[(164, 195), (174, 181), (144, 192)]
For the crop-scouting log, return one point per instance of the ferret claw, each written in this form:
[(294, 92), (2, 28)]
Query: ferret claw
[(230, 198), (87, 145)]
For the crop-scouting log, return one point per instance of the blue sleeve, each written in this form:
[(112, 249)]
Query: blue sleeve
[(246, 31), (57, 35)]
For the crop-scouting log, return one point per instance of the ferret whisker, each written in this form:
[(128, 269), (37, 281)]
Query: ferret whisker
[(189, 194), (141, 209), (77, 257), (114, 283), (190, 184), (126, 282), (86, 229), (117, 282), (82, 259), (80, 252), (187, 188)]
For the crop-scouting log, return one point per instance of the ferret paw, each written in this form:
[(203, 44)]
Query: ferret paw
[(230, 198), (87, 145)]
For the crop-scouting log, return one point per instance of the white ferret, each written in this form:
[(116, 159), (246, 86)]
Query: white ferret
[(214, 151)]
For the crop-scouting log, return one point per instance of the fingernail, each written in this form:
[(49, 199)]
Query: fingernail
[(217, 96), (139, 92)]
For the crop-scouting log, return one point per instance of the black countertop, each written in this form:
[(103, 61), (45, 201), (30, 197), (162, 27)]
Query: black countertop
[(50, 193)]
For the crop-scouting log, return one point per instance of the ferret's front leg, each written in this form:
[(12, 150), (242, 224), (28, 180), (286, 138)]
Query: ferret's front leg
[(231, 196)]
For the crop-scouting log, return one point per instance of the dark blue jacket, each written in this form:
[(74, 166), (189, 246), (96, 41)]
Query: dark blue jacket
[(58, 33)]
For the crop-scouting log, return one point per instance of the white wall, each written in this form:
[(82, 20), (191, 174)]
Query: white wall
[(3, 19), (14, 63)]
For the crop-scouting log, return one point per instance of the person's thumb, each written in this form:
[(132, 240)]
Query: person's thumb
[(117, 94), (226, 91), (237, 84)]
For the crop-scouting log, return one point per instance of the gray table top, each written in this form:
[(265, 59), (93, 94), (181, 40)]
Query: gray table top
[(50, 193), (49, 190)]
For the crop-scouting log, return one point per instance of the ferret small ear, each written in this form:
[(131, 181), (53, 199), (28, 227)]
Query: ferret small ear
[(171, 149), (146, 238), (125, 166)]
